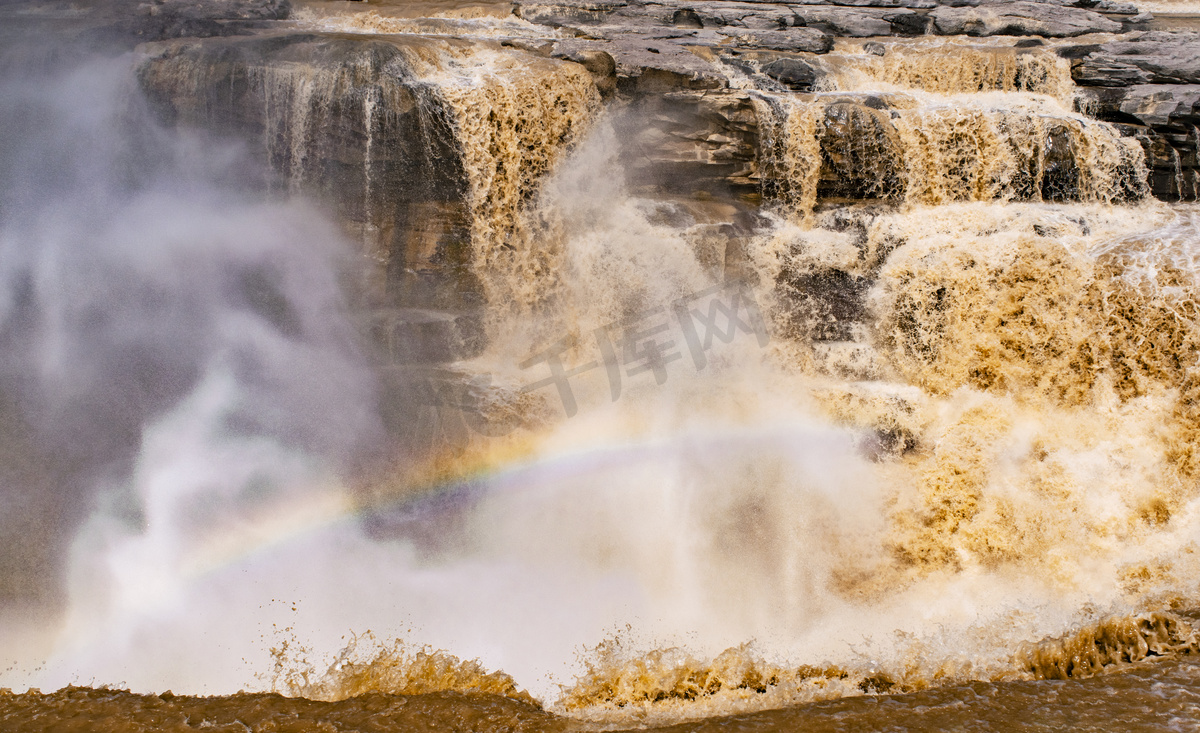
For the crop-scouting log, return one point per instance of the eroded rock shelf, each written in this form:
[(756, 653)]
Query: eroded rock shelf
[(351, 112)]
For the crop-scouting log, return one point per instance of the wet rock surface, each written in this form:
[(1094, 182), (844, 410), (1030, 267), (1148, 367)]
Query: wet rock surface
[(343, 120), (674, 44), (686, 142), (1153, 57), (82, 28), (1020, 19), (369, 140), (1147, 83)]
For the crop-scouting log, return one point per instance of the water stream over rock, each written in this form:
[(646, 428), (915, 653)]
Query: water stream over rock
[(597, 364)]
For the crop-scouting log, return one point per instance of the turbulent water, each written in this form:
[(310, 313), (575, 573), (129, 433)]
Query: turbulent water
[(922, 461), (1156, 697)]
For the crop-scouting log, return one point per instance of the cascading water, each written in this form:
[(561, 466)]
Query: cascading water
[(997, 126), (513, 118), (995, 336), (926, 420)]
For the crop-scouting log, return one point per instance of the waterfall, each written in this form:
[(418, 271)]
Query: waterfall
[(719, 375)]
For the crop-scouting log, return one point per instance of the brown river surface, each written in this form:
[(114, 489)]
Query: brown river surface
[(1156, 695), (975, 509)]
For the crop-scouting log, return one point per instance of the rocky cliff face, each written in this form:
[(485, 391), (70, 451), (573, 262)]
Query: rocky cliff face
[(1141, 79), (343, 119), (1149, 84), (726, 105)]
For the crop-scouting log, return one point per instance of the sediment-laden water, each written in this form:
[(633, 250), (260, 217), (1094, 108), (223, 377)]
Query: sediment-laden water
[(901, 435)]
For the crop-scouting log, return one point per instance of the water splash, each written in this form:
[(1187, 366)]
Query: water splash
[(1015, 465)]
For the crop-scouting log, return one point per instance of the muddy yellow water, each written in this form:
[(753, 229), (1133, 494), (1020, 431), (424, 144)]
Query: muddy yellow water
[(940, 472), (1156, 695)]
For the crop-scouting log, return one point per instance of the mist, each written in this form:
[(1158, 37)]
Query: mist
[(895, 465), (175, 347)]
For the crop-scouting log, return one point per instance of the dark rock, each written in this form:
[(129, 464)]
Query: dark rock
[(1105, 71), (567, 12), (810, 40), (745, 15), (107, 25), (863, 20), (543, 48), (1021, 19), (686, 18), (1077, 52), (1104, 103), (792, 73), (1060, 176), (692, 141), (647, 64), (1165, 119), (1139, 22), (306, 105), (909, 24), (1172, 172), (1166, 107), (1155, 57), (875, 49), (856, 23), (827, 305), (1100, 6), (165, 19), (923, 4)]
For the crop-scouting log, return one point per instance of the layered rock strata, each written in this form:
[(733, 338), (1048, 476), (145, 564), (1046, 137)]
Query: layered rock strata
[(1149, 84), (707, 88)]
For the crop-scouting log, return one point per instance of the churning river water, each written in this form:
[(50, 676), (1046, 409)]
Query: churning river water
[(684, 488)]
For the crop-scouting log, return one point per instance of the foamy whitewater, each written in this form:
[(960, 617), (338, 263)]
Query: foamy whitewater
[(990, 473)]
